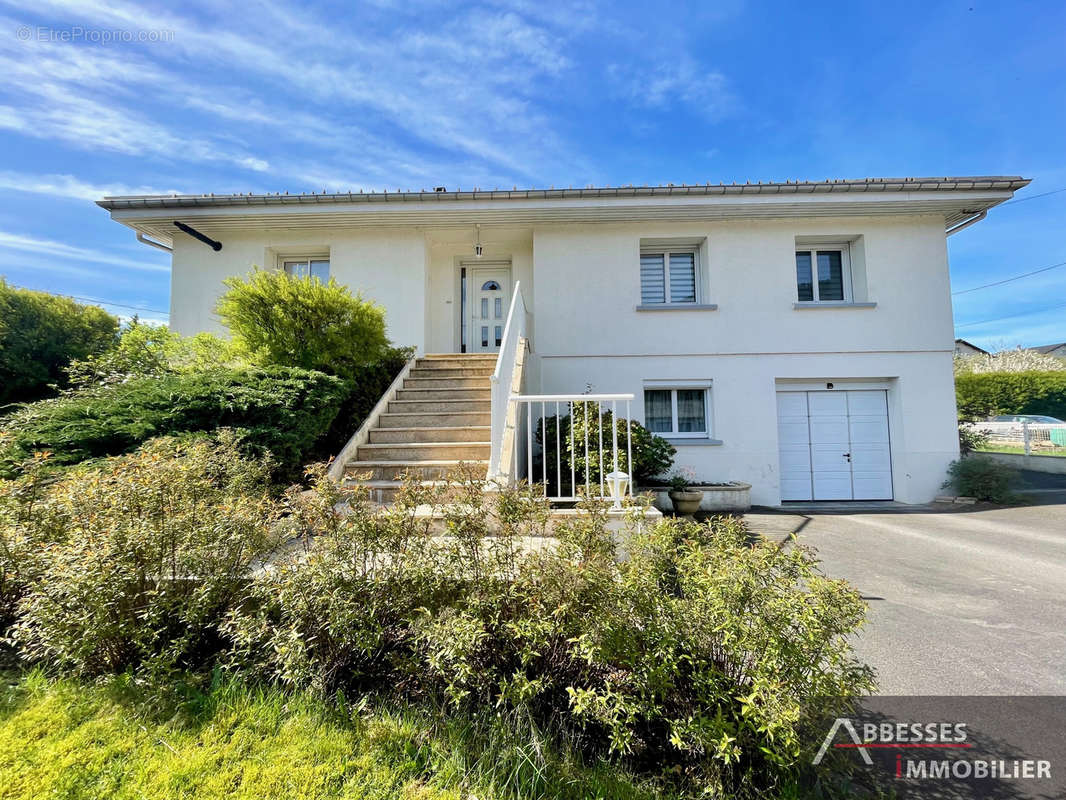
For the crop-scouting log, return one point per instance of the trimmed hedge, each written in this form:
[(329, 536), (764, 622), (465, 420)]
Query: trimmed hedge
[(280, 409), (991, 393)]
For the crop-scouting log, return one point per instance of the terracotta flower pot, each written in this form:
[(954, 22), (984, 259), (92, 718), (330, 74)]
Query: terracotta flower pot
[(686, 501)]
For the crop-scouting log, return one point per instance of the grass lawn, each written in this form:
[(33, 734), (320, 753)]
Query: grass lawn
[(65, 739), (1001, 448)]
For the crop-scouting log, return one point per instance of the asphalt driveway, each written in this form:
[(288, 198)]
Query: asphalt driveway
[(962, 602)]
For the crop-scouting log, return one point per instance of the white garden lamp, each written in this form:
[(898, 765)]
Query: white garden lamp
[(618, 485)]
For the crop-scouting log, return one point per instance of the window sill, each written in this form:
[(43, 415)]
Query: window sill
[(683, 442), (808, 305), (677, 307)]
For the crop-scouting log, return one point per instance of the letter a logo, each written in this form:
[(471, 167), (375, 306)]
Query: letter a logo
[(846, 725)]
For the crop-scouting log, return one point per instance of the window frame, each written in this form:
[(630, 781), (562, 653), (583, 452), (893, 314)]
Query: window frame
[(284, 260), (812, 249), (666, 251), (673, 387)]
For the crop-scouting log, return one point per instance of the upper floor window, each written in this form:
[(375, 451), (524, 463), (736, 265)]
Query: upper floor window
[(823, 274), (668, 276), (307, 267)]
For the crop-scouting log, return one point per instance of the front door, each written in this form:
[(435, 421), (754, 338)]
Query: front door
[(489, 295), (834, 445)]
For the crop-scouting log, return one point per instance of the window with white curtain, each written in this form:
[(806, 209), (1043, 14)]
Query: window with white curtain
[(678, 411), (669, 276), (823, 274)]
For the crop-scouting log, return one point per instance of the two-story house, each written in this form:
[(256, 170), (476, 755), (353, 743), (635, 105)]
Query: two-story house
[(795, 336)]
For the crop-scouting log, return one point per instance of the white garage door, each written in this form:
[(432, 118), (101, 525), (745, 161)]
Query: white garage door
[(834, 445)]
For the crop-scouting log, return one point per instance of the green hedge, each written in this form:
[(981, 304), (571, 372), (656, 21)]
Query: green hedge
[(990, 393), (279, 409), (40, 334)]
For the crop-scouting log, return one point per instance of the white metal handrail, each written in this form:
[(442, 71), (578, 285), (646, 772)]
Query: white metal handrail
[(514, 331), (548, 422)]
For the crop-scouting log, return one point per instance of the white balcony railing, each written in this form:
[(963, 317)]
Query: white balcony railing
[(571, 444)]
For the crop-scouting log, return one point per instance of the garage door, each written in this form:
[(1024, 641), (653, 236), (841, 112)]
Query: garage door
[(834, 445)]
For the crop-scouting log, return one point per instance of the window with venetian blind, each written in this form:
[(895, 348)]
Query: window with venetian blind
[(669, 276)]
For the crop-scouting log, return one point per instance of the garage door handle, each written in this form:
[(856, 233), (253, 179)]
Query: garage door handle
[(847, 456)]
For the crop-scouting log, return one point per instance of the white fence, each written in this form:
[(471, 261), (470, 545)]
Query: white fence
[(575, 445), (1032, 438)]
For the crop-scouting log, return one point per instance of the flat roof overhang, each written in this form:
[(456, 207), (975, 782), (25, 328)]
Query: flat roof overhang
[(955, 199)]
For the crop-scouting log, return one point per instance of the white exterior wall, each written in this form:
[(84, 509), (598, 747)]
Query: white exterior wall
[(386, 265), (589, 332)]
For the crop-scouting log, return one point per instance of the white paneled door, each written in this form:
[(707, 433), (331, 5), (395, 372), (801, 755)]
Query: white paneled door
[(490, 294), (834, 445)]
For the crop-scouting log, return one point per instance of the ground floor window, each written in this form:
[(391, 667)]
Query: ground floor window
[(677, 411)]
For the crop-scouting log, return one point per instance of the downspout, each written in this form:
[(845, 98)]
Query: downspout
[(159, 245), (980, 215)]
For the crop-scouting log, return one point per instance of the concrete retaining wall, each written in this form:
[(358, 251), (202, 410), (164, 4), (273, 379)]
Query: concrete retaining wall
[(1053, 464)]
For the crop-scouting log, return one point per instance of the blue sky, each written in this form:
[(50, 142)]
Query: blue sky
[(278, 96)]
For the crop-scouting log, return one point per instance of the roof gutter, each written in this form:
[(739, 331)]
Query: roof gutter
[(966, 223), (151, 243)]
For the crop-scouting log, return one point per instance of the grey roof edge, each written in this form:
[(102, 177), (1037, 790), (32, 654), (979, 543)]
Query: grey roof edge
[(999, 183)]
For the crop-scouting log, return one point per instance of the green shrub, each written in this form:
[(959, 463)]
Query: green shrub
[(155, 547), (982, 477), (971, 439), (144, 350), (652, 455), (988, 394), (301, 322), (280, 410), (701, 655), (40, 334)]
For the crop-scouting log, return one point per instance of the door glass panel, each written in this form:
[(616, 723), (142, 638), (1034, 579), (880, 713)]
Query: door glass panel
[(691, 411), (484, 308), (804, 284), (830, 275), (499, 307), (484, 335), (499, 335), (658, 415)]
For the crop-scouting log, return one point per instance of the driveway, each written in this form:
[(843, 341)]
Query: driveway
[(962, 602)]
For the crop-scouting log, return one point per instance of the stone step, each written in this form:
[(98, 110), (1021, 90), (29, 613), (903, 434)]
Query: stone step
[(457, 362), (438, 406), (384, 492), (435, 470), (469, 433), (447, 383), (430, 420), (442, 394), (414, 451), (452, 372), (464, 357)]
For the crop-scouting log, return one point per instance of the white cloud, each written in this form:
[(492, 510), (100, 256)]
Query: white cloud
[(29, 244), (72, 187), (679, 80)]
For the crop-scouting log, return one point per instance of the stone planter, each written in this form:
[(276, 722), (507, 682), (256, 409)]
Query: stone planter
[(686, 501), (722, 497)]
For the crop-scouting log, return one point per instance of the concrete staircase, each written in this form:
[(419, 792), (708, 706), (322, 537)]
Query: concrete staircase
[(437, 419)]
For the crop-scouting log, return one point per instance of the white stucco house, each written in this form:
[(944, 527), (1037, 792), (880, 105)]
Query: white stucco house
[(794, 336)]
